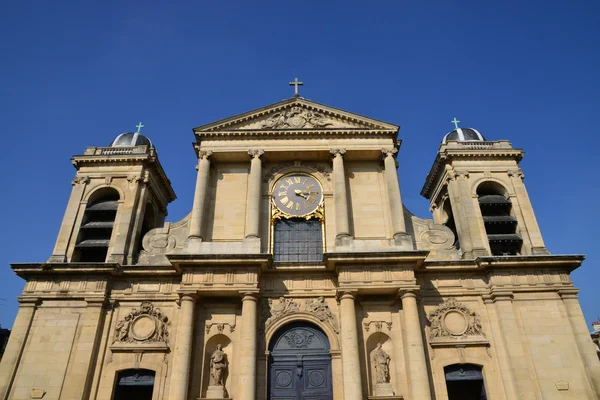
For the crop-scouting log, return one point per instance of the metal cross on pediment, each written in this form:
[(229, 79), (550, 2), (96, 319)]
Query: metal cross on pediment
[(295, 83), (455, 122), (139, 126)]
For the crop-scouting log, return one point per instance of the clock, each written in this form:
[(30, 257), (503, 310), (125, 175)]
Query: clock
[(297, 194)]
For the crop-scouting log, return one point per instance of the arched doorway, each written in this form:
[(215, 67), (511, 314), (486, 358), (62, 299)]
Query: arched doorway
[(135, 384), (299, 364), (464, 382)]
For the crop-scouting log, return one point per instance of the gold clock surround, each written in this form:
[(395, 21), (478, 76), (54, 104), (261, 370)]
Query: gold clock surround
[(277, 213)]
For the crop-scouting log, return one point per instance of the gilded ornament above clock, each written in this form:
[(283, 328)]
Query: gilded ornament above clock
[(297, 194)]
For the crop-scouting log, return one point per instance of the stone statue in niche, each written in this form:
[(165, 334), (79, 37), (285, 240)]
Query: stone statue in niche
[(218, 366), (381, 361)]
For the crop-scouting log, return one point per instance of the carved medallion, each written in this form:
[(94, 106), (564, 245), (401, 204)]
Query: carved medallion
[(454, 320), (146, 324), (298, 339)]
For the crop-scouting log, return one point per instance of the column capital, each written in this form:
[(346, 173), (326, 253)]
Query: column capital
[(204, 154), (29, 301), (346, 294), (568, 293), (249, 295), (256, 153), (502, 295), (187, 296), (389, 152), (338, 152), (408, 292)]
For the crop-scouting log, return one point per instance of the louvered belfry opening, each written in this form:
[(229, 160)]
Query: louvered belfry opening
[(96, 227), (500, 225)]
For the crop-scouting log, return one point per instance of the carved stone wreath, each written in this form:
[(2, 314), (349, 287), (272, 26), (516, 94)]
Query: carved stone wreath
[(454, 320), (146, 324)]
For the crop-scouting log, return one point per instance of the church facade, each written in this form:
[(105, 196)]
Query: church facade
[(299, 274)]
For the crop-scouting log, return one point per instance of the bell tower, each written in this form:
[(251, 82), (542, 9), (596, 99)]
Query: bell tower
[(475, 187), (119, 193)]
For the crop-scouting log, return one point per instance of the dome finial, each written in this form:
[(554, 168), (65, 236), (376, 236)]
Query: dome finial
[(455, 122), (140, 126)]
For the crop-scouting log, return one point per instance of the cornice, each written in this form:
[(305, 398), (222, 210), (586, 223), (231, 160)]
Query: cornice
[(269, 134), (558, 261), (447, 155)]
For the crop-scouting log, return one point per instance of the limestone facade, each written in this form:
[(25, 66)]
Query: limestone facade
[(400, 300)]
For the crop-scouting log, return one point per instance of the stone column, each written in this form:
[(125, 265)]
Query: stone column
[(586, 347), (247, 358), (528, 217), (418, 371), (197, 218), (182, 354), (395, 198), (65, 235), (16, 342), (254, 194), (467, 216), (340, 198), (350, 359)]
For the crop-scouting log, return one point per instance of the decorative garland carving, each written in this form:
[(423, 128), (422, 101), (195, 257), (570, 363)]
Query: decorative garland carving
[(454, 320), (273, 312), (220, 326), (146, 324), (378, 325)]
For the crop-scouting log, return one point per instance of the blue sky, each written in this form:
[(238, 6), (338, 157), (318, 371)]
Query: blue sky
[(77, 73)]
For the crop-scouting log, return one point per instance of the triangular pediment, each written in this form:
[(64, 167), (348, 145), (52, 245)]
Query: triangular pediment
[(296, 114)]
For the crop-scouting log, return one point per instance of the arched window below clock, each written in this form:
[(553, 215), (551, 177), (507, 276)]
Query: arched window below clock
[(297, 219), (298, 240)]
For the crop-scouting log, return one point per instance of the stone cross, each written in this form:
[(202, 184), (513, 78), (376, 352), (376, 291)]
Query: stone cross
[(455, 122), (139, 126), (295, 83)]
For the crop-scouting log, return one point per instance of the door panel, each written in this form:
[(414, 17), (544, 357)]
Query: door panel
[(300, 364)]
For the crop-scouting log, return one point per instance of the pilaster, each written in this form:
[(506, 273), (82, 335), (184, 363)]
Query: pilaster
[(16, 343)]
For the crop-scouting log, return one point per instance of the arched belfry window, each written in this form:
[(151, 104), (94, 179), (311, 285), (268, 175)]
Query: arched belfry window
[(297, 219), (500, 224), (97, 226)]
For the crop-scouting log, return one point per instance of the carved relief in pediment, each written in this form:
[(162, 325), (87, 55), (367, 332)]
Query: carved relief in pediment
[(146, 324), (454, 320), (297, 117)]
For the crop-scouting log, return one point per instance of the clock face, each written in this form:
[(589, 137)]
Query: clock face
[(297, 194)]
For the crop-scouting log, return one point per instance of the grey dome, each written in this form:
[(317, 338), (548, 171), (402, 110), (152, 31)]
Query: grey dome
[(464, 135), (131, 139)]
